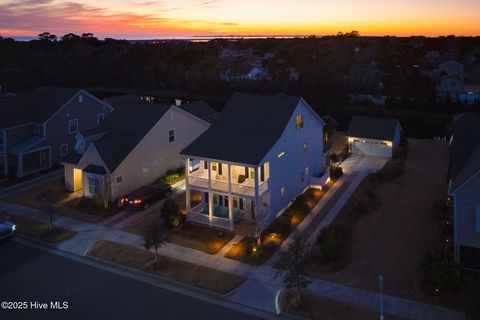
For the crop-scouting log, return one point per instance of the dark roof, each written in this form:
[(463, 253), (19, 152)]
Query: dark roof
[(33, 106), (372, 128), (130, 121), (72, 158), (201, 110), (465, 148), (91, 168), (246, 129)]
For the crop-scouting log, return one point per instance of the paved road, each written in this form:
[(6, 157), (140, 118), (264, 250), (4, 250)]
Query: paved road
[(30, 274)]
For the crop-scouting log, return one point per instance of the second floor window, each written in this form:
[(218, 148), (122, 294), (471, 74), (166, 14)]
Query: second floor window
[(72, 126), (299, 122), (171, 135), (63, 149), (100, 117)]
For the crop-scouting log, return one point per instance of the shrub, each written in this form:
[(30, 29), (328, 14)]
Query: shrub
[(172, 175), (336, 173), (398, 152), (440, 273), (404, 143), (344, 153), (171, 214), (300, 204), (334, 160), (332, 242)]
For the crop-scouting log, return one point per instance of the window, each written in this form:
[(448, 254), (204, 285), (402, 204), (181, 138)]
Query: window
[(240, 203), (171, 135), (80, 99), (235, 202), (93, 185), (220, 169), (205, 165), (72, 125), (100, 117), (118, 179), (302, 178), (282, 192), (307, 171), (281, 154), (299, 122), (63, 150), (220, 200), (305, 147)]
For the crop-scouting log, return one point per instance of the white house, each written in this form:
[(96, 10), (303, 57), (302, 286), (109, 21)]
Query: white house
[(373, 136), (134, 146), (449, 80), (464, 186), (253, 161)]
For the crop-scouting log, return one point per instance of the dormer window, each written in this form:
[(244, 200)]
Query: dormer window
[(80, 98), (299, 122)]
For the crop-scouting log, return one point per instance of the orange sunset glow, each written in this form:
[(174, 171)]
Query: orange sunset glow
[(149, 19)]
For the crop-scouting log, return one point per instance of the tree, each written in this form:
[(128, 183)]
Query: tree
[(47, 36), (154, 236), (290, 264), (171, 213), (48, 199), (70, 36), (334, 160)]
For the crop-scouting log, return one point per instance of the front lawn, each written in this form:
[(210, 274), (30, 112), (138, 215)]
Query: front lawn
[(34, 197), (199, 237), (189, 273), (40, 231), (86, 209), (273, 236)]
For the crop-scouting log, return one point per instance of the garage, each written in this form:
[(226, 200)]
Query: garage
[(373, 136)]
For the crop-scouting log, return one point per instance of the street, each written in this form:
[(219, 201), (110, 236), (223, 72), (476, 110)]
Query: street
[(34, 275)]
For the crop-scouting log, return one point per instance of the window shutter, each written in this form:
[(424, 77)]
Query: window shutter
[(246, 172), (477, 219)]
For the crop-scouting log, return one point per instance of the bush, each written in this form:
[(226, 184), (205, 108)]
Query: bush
[(300, 205), (398, 152), (171, 214), (336, 173), (173, 176), (440, 273), (332, 242), (404, 143), (344, 153)]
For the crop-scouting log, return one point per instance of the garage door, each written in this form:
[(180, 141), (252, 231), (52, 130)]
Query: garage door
[(371, 148)]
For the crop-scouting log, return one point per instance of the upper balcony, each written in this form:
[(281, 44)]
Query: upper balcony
[(216, 176)]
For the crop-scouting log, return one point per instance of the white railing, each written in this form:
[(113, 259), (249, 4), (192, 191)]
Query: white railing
[(246, 188)]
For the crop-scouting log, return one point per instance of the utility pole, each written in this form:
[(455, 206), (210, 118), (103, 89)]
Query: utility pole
[(380, 285)]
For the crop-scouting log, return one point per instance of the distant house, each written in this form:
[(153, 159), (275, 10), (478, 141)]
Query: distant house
[(134, 146), (373, 135), (464, 186), (38, 128), (253, 161), (257, 73), (449, 80)]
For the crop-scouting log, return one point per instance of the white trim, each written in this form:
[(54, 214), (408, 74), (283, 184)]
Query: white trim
[(69, 121), (102, 114), (92, 145), (61, 149), (465, 182)]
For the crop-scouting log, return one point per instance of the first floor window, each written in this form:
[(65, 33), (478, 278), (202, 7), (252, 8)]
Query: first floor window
[(171, 135), (63, 150), (93, 185), (235, 202), (119, 179)]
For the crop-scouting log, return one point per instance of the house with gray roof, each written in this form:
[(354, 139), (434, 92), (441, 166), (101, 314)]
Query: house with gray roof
[(134, 146), (38, 127), (373, 136), (464, 188), (253, 161)]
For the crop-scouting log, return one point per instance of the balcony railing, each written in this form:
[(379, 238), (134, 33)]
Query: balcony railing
[(245, 188)]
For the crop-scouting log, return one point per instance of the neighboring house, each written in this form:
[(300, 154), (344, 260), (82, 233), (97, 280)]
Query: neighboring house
[(449, 80), (464, 188), (38, 128), (373, 135), (134, 146), (253, 161), (257, 73)]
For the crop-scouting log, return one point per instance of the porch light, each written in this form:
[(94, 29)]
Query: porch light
[(389, 143), (254, 249)]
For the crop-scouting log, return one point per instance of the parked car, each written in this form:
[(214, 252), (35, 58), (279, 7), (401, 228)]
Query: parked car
[(145, 196), (7, 229)]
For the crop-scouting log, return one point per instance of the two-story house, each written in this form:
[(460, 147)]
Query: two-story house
[(38, 128), (253, 161), (134, 146), (464, 188)]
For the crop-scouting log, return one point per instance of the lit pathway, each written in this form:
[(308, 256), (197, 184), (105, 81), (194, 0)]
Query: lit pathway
[(260, 290)]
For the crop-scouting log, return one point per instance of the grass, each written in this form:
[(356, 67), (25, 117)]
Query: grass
[(40, 231), (88, 210), (188, 273), (199, 237), (33, 197), (273, 236), (314, 307)]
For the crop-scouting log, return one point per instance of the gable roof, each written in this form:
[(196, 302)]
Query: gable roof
[(373, 128), (33, 106), (464, 149), (246, 129), (126, 126), (200, 109)]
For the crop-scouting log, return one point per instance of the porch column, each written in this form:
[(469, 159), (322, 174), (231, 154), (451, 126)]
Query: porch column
[(255, 183), (229, 178), (230, 212), (187, 187), (210, 207)]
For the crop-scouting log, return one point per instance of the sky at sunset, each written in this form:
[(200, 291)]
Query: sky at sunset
[(150, 19)]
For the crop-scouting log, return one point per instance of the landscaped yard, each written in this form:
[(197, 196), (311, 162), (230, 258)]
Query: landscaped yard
[(34, 197), (191, 274), (393, 239), (39, 230), (273, 236)]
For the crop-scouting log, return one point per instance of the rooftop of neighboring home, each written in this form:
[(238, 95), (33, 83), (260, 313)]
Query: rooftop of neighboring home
[(33, 106), (376, 128), (130, 121), (464, 149), (246, 129)]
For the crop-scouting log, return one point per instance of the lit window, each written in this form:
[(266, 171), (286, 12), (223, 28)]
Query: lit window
[(119, 179), (299, 122), (305, 147), (80, 99), (72, 126), (100, 117), (281, 154), (171, 135), (63, 150), (282, 192)]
